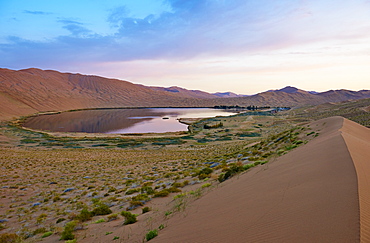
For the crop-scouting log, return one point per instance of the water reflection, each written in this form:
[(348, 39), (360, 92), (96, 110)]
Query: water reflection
[(121, 120)]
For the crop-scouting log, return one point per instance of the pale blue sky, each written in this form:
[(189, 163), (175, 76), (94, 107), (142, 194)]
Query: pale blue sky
[(244, 46)]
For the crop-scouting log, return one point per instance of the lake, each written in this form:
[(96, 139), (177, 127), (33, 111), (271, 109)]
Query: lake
[(120, 121)]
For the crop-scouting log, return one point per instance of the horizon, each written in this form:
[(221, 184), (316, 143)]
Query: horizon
[(175, 86), (213, 46)]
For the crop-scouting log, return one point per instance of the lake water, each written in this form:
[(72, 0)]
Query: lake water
[(116, 121)]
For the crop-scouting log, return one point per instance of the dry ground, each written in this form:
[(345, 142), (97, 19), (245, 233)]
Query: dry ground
[(48, 179)]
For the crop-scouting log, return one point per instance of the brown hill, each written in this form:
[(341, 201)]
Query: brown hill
[(30, 90), (181, 92), (33, 90), (316, 193), (294, 97)]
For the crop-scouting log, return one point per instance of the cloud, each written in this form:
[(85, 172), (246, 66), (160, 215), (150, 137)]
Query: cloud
[(36, 12), (76, 28), (69, 21), (193, 29)]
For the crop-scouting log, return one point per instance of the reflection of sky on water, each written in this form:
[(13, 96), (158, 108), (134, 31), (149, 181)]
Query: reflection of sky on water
[(158, 125)]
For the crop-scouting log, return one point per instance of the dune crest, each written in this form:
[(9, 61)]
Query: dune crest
[(357, 139), (316, 193)]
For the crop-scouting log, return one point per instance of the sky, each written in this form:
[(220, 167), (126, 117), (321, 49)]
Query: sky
[(242, 46)]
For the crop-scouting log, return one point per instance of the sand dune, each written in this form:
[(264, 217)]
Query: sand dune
[(28, 91), (316, 193)]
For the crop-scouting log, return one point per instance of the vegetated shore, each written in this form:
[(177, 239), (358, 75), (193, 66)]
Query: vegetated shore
[(49, 179)]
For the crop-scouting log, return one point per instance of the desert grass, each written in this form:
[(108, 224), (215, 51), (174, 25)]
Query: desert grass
[(51, 183)]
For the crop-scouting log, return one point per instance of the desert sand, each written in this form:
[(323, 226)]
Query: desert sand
[(316, 193)]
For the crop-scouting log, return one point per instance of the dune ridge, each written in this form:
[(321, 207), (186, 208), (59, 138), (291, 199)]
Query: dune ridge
[(316, 193), (357, 140)]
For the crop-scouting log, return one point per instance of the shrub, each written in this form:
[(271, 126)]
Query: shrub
[(85, 215), (145, 210), (129, 217), (151, 234), (112, 217), (132, 191), (10, 237), (49, 233), (135, 204), (67, 233), (71, 241), (173, 189), (141, 197), (206, 185), (206, 171), (102, 209), (147, 189), (39, 230), (99, 221), (162, 193), (60, 220)]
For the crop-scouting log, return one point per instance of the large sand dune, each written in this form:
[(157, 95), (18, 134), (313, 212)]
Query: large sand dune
[(28, 91), (317, 193)]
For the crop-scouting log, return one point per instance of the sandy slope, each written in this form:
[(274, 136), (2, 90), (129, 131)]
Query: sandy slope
[(358, 142), (308, 195)]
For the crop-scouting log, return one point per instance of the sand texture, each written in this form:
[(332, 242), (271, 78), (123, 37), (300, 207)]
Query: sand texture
[(316, 193), (358, 142)]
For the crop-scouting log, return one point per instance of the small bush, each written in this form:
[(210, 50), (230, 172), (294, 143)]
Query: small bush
[(173, 189), (39, 230), (85, 215), (102, 209), (132, 191), (99, 221), (10, 237), (49, 233), (151, 234), (70, 241), (129, 217), (162, 193), (60, 220), (206, 171), (67, 233), (148, 190), (145, 210), (112, 217), (141, 197), (206, 185), (135, 204)]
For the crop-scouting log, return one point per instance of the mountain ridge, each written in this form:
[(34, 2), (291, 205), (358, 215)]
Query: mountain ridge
[(32, 90)]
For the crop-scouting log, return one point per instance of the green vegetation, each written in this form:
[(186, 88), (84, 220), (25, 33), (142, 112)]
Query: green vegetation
[(112, 217), (129, 217), (102, 209), (67, 233), (99, 221), (151, 234), (145, 210), (46, 234), (10, 237)]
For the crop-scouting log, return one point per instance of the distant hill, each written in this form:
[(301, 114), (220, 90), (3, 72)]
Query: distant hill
[(228, 95), (185, 93), (33, 90)]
